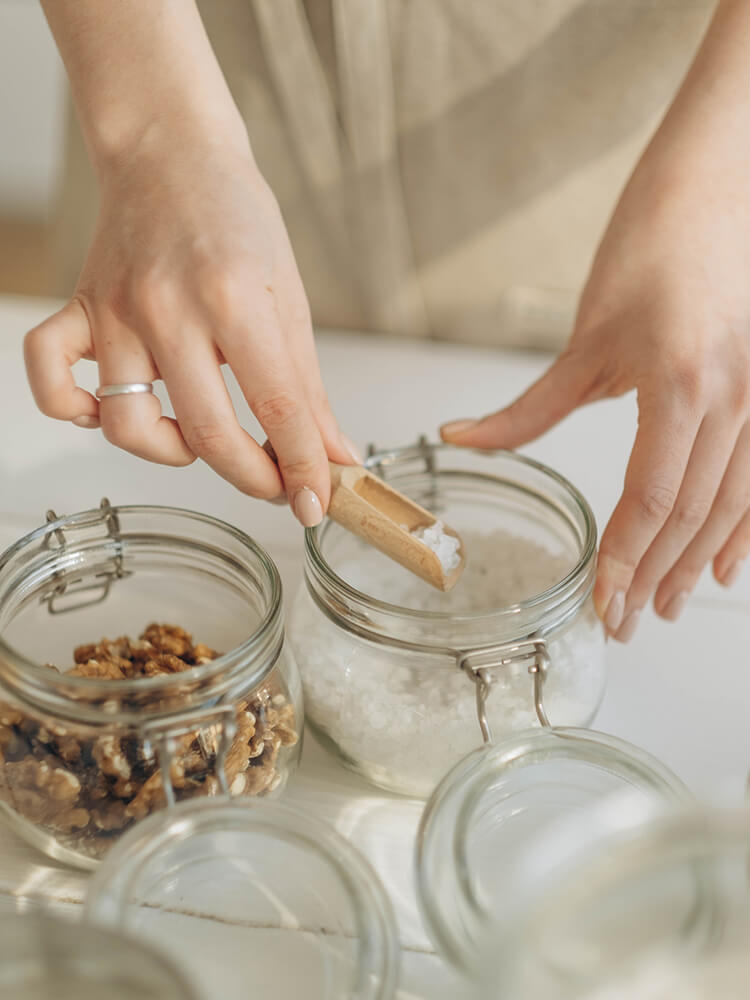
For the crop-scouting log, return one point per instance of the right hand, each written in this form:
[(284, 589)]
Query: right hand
[(190, 268)]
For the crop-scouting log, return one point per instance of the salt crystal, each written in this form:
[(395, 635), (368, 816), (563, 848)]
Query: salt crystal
[(443, 545)]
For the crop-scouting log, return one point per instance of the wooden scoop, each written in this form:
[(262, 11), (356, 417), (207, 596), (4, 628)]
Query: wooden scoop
[(381, 516)]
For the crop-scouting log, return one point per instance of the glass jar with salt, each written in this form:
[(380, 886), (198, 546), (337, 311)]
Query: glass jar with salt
[(403, 681)]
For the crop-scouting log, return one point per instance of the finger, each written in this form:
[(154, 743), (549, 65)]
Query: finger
[(50, 351), (732, 555), (731, 504), (730, 560), (259, 360), (134, 422), (209, 424), (567, 384), (339, 447), (708, 461), (296, 321), (667, 428)]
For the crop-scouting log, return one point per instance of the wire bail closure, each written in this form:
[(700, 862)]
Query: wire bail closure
[(479, 664), (106, 515)]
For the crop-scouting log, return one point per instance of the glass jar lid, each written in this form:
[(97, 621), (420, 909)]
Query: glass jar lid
[(488, 813), (655, 907), (252, 899), (47, 958)]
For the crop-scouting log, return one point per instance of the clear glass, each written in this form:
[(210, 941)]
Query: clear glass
[(46, 958), (657, 910), (252, 899), (379, 650), (80, 756), (488, 831)]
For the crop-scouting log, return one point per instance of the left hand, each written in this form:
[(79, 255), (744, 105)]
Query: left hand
[(666, 311)]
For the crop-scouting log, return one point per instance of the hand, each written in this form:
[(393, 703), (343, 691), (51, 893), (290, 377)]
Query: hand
[(666, 311), (191, 268)]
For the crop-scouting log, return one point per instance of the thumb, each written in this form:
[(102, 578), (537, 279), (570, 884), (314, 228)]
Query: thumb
[(50, 351), (563, 387)]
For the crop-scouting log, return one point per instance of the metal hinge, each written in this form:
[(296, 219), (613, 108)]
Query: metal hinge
[(97, 590)]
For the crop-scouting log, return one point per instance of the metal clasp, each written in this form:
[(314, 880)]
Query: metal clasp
[(478, 665), (56, 539), (422, 452), (214, 728)]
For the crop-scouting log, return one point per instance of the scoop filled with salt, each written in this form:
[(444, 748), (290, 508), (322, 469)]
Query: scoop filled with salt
[(397, 526)]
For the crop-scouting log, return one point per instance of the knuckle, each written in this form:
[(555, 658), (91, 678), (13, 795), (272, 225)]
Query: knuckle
[(688, 382), (304, 471), (152, 297), (739, 393), (655, 503), (276, 410), (207, 440), (691, 516), (732, 505)]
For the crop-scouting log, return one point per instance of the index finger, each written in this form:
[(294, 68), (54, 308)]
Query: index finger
[(50, 351), (667, 429)]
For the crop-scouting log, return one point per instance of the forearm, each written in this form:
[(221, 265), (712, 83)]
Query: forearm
[(140, 71), (708, 125)]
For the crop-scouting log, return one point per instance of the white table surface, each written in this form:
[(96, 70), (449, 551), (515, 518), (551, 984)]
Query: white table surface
[(680, 691)]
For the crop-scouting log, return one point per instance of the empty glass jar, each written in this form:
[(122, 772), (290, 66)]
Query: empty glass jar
[(402, 680), (251, 899), (46, 958), (83, 754), (654, 908)]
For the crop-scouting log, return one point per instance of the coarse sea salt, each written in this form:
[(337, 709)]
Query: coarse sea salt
[(446, 547), (404, 718)]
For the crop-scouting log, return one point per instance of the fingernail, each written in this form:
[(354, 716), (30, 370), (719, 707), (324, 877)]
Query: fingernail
[(676, 606), (307, 508), (732, 574), (91, 423), (351, 447), (458, 426), (615, 611), (627, 630)]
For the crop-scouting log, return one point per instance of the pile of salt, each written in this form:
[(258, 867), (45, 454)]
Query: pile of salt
[(444, 546)]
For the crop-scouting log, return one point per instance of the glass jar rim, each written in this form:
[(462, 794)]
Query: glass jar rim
[(101, 940), (460, 791), (651, 839), (340, 591), (111, 888), (30, 680)]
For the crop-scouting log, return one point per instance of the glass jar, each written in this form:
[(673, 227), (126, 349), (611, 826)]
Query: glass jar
[(45, 958), (251, 898), (402, 680), (655, 909), (83, 754), (490, 829)]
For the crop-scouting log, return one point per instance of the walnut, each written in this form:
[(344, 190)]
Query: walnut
[(169, 639), (203, 654), (111, 815), (88, 788), (149, 797), (45, 793), (163, 663), (106, 670), (108, 754)]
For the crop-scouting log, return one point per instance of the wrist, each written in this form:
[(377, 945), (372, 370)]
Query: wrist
[(118, 140)]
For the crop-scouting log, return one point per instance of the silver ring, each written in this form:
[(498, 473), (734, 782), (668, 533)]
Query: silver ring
[(123, 389)]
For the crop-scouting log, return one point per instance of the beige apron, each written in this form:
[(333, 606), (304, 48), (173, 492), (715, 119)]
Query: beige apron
[(445, 167)]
